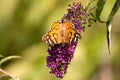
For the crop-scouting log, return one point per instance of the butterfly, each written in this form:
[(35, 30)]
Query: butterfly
[(61, 32)]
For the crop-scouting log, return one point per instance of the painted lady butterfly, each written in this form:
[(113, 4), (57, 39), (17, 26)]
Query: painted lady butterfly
[(61, 32)]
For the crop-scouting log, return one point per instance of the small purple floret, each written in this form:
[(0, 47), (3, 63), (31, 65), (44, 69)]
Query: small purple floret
[(78, 25)]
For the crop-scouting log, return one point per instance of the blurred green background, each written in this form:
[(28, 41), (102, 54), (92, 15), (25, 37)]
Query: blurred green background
[(24, 22)]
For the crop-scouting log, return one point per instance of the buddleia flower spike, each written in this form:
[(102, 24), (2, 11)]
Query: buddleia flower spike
[(63, 37)]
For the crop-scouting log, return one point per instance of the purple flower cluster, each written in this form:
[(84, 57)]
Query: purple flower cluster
[(59, 58), (79, 16), (60, 55)]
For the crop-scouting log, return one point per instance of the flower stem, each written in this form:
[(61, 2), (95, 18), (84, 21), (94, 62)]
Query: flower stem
[(11, 76)]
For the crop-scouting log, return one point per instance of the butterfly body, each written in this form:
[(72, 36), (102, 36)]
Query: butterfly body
[(61, 32)]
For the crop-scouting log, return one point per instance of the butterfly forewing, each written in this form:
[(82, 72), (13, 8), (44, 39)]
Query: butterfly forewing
[(51, 37), (70, 32)]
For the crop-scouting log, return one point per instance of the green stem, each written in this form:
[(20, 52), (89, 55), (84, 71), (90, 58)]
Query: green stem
[(8, 58)]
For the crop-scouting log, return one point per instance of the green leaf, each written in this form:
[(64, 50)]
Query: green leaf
[(114, 10), (100, 5), (109, 25), (8, 58)]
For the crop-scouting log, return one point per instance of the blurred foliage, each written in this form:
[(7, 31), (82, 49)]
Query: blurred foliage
[(23, 23)]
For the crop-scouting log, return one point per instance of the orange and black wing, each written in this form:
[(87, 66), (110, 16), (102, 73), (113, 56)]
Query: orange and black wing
[(71, 34), (52, 36)]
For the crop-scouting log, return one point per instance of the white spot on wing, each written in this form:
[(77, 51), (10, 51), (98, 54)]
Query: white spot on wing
[(75, 39), (49, 41)]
